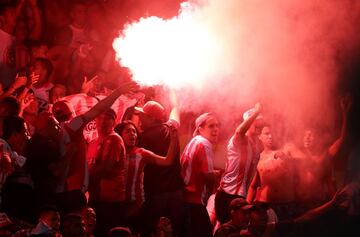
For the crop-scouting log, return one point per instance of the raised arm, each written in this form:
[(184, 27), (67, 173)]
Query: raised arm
[(106, 103), (345, 104), (18, 82), (245, 125)]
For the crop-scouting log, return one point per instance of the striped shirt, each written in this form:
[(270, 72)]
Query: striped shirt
[(134, 175), (196, 162), (242, 159), (110, 186)]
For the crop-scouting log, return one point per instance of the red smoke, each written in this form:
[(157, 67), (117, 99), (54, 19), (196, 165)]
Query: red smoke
[(226, 55)]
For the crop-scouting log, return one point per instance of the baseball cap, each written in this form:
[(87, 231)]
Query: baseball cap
[(249, 113), (110, 112), (153, 109), (200, 121), (240, 203)]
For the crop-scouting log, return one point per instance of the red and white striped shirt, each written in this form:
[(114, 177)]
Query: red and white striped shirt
[(134, 175), (196, 162), (242, 159)]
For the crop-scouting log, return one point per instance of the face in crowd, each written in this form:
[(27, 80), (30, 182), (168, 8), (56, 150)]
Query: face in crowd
[(210, 129), (129, 135), (105, 123), (266, 137), (308, 139)]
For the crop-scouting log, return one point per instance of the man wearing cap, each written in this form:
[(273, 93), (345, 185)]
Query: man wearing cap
[(240, 216), (198, 173), (243, 152), (163, 186)]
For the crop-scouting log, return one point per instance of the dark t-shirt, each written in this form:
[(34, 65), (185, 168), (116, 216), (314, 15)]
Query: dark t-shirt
[(41, 153), (160, 179), (227, 229)]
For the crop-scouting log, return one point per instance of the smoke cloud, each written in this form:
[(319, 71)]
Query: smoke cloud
[(281, 53)]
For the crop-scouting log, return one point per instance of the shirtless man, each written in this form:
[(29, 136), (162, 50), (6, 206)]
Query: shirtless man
[(314, 183), (274, 182)]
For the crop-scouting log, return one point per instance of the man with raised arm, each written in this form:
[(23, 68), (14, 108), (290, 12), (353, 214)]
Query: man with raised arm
[(243, 152), (163, 186)]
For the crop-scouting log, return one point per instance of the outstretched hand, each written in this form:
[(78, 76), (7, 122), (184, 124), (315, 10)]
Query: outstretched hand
[(33, 79), (128, 87), (88, 85), (19, 81), (25, 102)]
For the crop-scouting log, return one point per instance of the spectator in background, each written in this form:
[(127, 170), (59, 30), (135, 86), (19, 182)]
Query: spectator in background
[(78, 25), (240, 216), (12, 160), (60, 55), (89, 216), (48, 224), (7, 44), (73, 225), (57, 92), (27, 30), (42, 67)]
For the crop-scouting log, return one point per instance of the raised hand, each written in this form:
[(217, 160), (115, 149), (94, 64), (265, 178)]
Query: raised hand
[(19, 82), (88, 85), (33, 79), (25, 102), (128, 87)]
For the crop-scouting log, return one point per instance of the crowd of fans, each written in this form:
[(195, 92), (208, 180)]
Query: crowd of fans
[(84, 152)]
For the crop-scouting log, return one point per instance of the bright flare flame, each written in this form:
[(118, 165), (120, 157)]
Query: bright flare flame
[(180, 53)]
